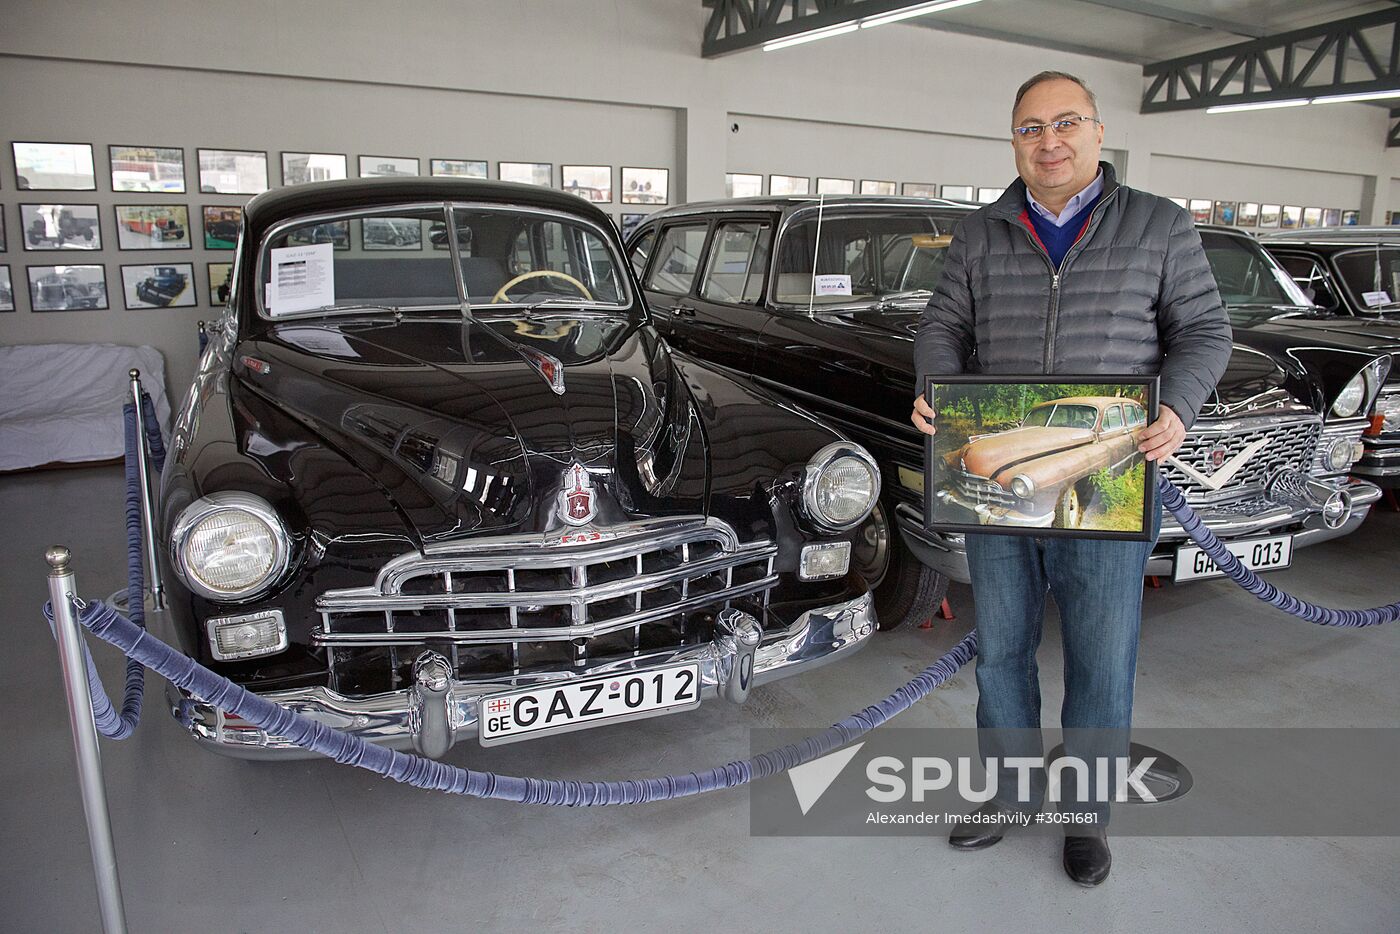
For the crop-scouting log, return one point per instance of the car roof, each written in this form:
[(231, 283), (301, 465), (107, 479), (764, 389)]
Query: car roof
[(278, 204), (1087, 400), (789, 203)]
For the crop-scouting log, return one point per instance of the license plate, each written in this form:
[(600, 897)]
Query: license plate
[(576, 705), (1257, 554)]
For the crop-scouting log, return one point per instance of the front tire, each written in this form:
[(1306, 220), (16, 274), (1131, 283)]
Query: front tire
[(905, 588), (1069, 511)]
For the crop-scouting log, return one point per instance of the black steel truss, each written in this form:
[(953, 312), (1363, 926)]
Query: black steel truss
[(1350, 56), (1392, 136), (736, 25)]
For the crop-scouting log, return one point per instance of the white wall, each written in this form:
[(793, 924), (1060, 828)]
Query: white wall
[(619, 82)]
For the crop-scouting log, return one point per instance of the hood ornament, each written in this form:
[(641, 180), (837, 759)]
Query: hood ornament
[(551, 368), (578, 505)]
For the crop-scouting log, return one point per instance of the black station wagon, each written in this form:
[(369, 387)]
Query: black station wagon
[(463, 488)]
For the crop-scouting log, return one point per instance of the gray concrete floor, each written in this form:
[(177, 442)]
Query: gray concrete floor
[(213, 844)]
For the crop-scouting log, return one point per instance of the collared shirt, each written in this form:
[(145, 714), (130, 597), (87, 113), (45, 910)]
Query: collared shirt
[(1075, 204)]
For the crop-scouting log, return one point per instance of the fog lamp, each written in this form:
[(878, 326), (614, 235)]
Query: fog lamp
[(830, 559), (245, 636)]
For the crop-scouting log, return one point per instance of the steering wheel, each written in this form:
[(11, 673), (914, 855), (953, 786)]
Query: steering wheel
[(500, 295)]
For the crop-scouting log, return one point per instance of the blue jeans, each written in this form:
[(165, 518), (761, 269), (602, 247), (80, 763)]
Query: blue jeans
[(1097, 585)]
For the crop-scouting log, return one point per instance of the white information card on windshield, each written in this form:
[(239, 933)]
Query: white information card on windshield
[(303, 278), (1375, 299), (833, 285)]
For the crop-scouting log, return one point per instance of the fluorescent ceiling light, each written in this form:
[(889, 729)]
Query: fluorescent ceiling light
[(1363, 96), (1261, 105), (810, 36), (912, 12)]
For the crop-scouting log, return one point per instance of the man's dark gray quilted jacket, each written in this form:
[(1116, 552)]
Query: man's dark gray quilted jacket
[(1135, 295)]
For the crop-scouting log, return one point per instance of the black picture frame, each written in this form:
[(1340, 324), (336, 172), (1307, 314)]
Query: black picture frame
[(216, 189), (4, 242), (65, 295), (128, 157), (628, 222), (148, 226), (217, 222), (387, 162), (217, 284), (439, 168), (878, 187), (843, 186), (28, 182), (943, 503), (289, 182), (44, 231), (786, 185), (7, 290), (644, 195), (586, 192), (534, 167), (158, 285)]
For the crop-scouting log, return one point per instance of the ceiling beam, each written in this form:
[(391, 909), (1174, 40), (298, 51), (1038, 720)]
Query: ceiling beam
[(1313, 62), (1040, 42), (738, 25), (1182, 17)]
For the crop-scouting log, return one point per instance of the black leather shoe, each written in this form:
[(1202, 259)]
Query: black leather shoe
[(989, 827), (1087, 859)]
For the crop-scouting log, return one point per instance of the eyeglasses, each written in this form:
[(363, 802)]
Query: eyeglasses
[(1066, 127)]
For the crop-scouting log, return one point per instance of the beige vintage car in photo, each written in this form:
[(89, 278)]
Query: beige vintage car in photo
[(1040, 473)]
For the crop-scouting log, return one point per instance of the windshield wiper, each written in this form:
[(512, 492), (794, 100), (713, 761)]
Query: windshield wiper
[(367, 307)]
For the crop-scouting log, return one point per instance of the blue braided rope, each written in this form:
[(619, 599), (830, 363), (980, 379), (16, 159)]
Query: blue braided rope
[(186, 673), (1224, 559), (153, 439)]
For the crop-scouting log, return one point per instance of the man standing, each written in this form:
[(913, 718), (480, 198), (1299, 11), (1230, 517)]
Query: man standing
[(1068, 273)]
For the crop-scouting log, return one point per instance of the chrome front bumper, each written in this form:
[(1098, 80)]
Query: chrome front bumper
[(1380, 463), (947, 553), (397, 720)]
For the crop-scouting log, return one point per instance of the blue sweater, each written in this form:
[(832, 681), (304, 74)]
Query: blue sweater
[(1058, 240)]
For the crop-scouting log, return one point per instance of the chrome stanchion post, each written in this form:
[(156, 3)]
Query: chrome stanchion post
[(75, 686), (148, 506)]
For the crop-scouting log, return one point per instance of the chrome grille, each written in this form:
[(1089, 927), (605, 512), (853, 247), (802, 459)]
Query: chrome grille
[(981, 490), (1388, 405), (517, 604), (1287, 443)]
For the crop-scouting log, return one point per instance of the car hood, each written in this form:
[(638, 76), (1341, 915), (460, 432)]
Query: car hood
[(460, 430), (988, 456), (1373, 335)]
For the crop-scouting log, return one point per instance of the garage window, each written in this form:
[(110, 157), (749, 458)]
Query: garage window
[(677, 259), (738, 261)]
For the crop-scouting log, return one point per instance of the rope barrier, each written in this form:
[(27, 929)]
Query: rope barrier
[(146, 651)]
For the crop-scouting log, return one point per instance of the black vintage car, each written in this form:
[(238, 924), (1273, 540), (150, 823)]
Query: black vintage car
[(471, 492), (162, 287), (828, 317), (1353, 275)]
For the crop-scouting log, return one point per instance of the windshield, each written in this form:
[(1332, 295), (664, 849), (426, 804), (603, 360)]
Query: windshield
[(1061, 416), (1246, 275), (401, 260), (860, 258), (1372, 276)]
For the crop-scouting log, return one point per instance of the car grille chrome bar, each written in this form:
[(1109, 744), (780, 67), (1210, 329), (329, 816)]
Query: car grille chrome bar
[(1291, 443), (509, 599), (981, 489)]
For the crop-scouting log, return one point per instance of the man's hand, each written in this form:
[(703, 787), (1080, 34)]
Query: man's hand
[(1161, 438), (923, 416)]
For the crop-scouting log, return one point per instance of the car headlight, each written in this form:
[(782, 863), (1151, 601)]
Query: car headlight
[(1023, 486), (840, 486), (1352, 398), (229, 546)]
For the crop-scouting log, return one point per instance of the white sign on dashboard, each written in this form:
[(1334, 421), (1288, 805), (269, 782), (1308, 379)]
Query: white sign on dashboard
[(1375, 299), (303, 278), (833, 285)]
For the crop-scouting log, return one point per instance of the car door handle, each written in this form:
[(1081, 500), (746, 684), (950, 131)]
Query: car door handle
[(682, 311)]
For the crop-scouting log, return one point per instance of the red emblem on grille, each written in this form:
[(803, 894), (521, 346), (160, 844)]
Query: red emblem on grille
[(577, 504), (1217, 456)]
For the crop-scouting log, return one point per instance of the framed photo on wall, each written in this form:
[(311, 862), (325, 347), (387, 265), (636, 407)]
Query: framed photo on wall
[(836, 186), (589, 182), (164, 285), (4, 244), (336, 233), (67, 288), (1331, 217), (232, 171), (874, 186), (1200, 210), (1312, 217), (988, 195), (147, 168), (1040, 455), (1269, 215), (629, 224), (388, 167), (1349, 219), (527, 173), (788, 185), (918, 190), (153, 227), (1292, 216), (60, 227), (1247, 215), (744, 185), (460, 168), (221, 226), (1224, 213), (218, 274), (1180, 202), (646, 186), (299, 168), (957, 192), (7, 290), (53, 166)]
